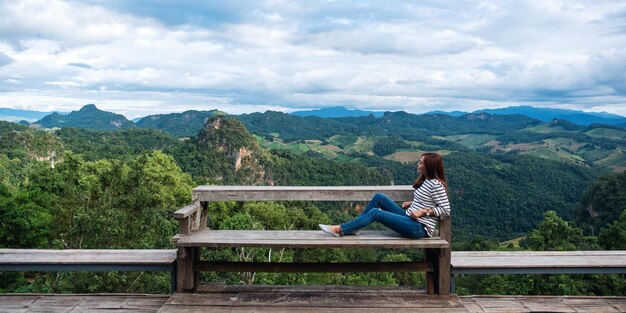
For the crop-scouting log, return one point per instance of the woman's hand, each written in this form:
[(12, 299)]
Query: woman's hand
[(418, 213), (406, 205)]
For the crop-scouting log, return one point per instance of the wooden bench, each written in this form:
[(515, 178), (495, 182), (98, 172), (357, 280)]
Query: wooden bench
[(88, 260), (537, 262), (193, 235)]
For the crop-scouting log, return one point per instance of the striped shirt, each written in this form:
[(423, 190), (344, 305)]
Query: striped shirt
[(431, 194)]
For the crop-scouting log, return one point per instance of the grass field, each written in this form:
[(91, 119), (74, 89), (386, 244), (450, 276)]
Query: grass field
[(607, 133), (561, 149), (411, 156), (469, 140)]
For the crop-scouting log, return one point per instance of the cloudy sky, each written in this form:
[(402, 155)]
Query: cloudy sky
[(146, 57)]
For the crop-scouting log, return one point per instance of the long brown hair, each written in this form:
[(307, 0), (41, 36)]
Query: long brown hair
[(434, 169)]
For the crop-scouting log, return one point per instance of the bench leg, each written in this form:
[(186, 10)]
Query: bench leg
[(196, 274), (185, 275), (430, 257), (173, 280), (452, 284), (443, 271), (438, 281)]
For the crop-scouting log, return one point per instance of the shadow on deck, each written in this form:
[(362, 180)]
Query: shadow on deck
[(305, 299)]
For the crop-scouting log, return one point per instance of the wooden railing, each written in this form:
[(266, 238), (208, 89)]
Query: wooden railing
[(89, 260), (463, 262)]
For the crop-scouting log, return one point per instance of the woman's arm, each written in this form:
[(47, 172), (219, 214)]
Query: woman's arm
[(440, 197)]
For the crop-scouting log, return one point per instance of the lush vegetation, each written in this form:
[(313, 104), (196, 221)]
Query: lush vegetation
[(118, 190), (120, 145), (405, 125), (185, 124), (552, 234)]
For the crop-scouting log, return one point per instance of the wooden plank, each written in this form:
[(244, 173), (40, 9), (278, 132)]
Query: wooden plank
[(292, 193), (194, 309), (186, 211), (296, 298), (303, 239), (306, 309), (619, 303), (88, 256), (534, 259), (82, 303), (348, 289), (541, 304), (396, 290), (501, 304), (314, 267), (590, 305)]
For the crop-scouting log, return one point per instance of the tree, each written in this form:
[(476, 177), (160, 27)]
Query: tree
[(613, 237), (23, 223), (554, 233)]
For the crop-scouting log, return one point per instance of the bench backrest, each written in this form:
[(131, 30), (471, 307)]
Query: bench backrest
[(201, 195), (297, 193)]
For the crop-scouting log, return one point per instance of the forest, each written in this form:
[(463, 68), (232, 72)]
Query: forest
[(82, 189)]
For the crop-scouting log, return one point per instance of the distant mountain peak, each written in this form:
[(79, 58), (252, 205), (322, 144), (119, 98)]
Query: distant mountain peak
[(336, 111), (547, 114), (451, 113), (89, 107), (89, 117)]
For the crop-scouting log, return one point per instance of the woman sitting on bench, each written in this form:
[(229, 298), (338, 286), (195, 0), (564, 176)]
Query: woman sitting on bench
[(415, 219)]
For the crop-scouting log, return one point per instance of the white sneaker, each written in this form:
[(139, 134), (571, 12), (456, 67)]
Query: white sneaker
[(326, 229)]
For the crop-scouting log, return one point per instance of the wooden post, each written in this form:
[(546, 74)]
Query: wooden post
[(204, 208), (184, 227), (445, 256), (185, 271), (443, 271)]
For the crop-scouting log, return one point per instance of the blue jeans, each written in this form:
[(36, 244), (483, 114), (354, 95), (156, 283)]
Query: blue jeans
[(383, 210)]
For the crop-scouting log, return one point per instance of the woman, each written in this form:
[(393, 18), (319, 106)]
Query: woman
[(415, 219)]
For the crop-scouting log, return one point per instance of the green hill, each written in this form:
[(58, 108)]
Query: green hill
[(88, 117), (400, 124), (185, 124), (121, 145), (598, 146)]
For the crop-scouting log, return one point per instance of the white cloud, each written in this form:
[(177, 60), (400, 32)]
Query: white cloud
[(284, 55)]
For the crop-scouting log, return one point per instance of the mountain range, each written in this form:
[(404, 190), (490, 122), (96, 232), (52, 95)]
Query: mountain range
[(576, 117), (153, 121)]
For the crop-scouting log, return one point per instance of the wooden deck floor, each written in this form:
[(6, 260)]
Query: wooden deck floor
[(305, 300), (121, 303)]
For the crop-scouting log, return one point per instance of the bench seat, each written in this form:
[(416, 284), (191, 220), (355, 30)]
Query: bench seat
[(303, 239)]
